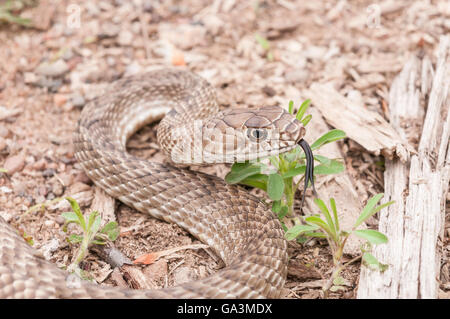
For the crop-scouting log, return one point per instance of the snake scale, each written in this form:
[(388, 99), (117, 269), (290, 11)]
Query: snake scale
[(235, 224)]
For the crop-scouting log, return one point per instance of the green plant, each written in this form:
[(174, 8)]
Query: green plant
[(278, 181), (264, 43), (2, 170), (8, 8), (92, 234), (329, 228)]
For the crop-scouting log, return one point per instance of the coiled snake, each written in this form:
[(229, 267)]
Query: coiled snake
[(235, 224)]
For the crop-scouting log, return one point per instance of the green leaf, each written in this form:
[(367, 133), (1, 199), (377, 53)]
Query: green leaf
[(73, 203), (241, 171), (322, 224), (74, 239), (330, 136), (3, 170), (98, 242), (370, 209), (300, 169), (70, 217), (315, 234), (111, 230), (276, 206), (322, 159), (275, 161), (372, 262), (295, 231), (327, 215), (334, 167), (96, 223), (257, 180), (333, 208), (306, 120), (283, 212), (291, 107), (302, 109), (275, 186), (373, 236)]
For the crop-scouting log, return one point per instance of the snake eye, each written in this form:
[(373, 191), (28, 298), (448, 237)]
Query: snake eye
[(257, 134)]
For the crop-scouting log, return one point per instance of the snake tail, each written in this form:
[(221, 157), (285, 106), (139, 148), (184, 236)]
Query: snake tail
[(309, 172)]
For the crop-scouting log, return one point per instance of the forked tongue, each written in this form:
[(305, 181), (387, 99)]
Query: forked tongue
[(309, 173)]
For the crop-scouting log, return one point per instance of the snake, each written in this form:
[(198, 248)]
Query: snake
[(238, 226)]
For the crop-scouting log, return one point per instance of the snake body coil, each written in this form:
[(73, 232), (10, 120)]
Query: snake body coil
[(235, 224)]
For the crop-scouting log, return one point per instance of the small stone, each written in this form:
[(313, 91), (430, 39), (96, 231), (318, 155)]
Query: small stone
[(14, 163), (59, 99), (20, 188), (78, 100), (79, 187), (57, 68), (2, 144), (49, 172), (83, 178), (40, 165), (5, 190), (125, 38), (49, 223), (66, 179), (269, 91), (58, 189), (30, 77), (6, 216), (4, 132), (60, 220)]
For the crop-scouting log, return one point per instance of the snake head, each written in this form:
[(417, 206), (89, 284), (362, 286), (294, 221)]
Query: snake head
[(239, 135)]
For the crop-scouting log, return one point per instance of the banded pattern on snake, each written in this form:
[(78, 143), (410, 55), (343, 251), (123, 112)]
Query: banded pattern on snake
[(235, 224)]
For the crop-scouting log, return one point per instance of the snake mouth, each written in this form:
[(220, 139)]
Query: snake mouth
[(309, 172)]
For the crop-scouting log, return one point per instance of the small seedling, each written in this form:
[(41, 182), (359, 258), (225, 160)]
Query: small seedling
[(264, 43), (92, 234), (278, 181), (329, 228), (2, 170)]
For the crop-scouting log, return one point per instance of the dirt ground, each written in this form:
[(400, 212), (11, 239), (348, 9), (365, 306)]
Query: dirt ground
[(76, 48)]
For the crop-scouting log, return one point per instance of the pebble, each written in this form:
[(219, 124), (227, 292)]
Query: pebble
[(4, 132), (6, 216), (40, 165), (30, 78), (49, 172), (83, 178), (78, 100), (125, 38), (60, 220), (59, 99), (20, 188), (57, 189), (2, 144), (57, 68), (49, 223), (14, 163)]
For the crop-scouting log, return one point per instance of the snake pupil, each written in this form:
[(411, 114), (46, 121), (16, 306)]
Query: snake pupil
[(257, 134)]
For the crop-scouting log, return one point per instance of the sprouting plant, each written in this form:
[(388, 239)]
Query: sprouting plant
[(329, 228), (2, 170), (8, 8), (278, 181), (264, 43), (91, 233)]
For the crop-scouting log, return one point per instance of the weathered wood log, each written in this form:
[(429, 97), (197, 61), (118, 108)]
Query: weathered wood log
[(414, 224)]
